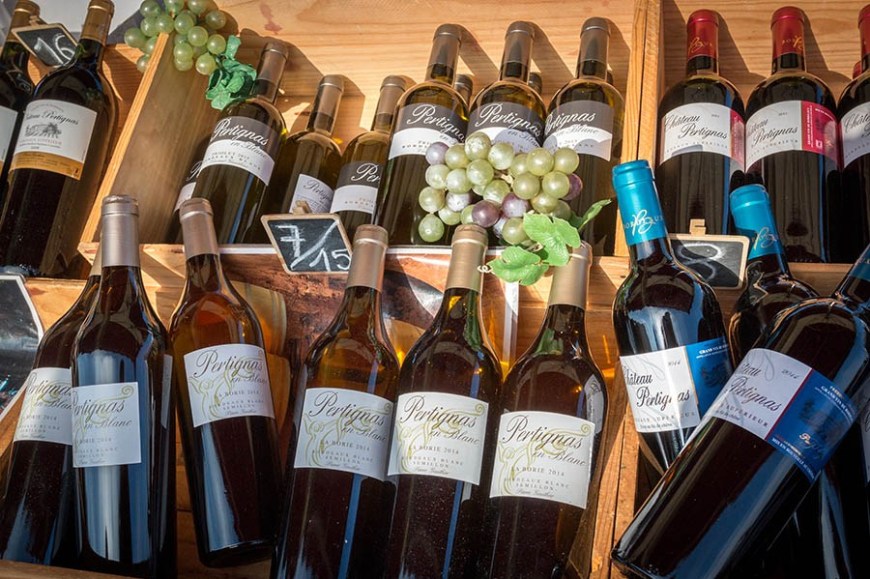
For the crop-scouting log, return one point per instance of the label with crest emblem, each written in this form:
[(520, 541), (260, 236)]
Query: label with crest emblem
[(55, 136)]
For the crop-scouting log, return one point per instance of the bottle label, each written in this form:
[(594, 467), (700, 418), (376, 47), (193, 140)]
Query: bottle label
[(439, 434), (543, 455), (345, 430), (8, 118), (756, 223), (46, 413), (508, 123), (855, 129), (702, 128), (228, 381), (106, 425), (585, 126), (864, 425), (639, 224), (357, 188), (419, 125), (783, 401), (671, 389), (313, 191), (791, 126), (244, 143), (55, 136), (189, 185)]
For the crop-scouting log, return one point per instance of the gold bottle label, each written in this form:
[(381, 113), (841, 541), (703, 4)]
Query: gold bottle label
[(55, 136)]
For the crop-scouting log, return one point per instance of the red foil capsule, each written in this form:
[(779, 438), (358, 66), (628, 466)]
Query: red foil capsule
[(702, 34)]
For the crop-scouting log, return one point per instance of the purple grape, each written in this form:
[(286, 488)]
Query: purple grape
[(458, 201), (499, 225), (485, 213), (435, 153), (576, 186), (513, 206)]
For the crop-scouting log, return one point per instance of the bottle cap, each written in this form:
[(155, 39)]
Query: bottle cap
[(703, 16), (335, 80), (277, 46), (30, 8), (197, 227), (106, 5), (449, 30), (748, 196), (521, 27), (119, 236), (787, 12), (469, 245), (394, 80), (571, 281), (120, 204), (865, 12), (632, 173), (596, 24), (367, 264)]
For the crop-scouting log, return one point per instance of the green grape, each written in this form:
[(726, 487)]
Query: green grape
[(183, 51), (457, 181), (134, 38), (544, 203), (566, 160), (479, 189), (174, 6), (216, 19), (477, 145), (496, 191), (527, 186), (216, 44), (555, 184), (184, 22), (431, 200), (183, 65), (198, 6), (149, 8), (562, 210), (197, 36), (198, 51), (431, 228), (205, 64), (150, 45), (142, 63), (501, 155), (519, 165), (465, 214), (455, 157), (540, 161), (148, 26), (165, 23), (513, 231), (480, 172), (449, 217), (436, 176), (179, 39)]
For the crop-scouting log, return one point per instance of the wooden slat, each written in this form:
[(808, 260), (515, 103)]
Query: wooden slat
[(13, 570)]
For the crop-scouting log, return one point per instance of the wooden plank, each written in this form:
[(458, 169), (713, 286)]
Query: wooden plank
[(13, 570)]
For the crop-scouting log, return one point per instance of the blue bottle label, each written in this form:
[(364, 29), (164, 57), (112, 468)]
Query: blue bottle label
[(792, 407), (756, 223), (641, 214)]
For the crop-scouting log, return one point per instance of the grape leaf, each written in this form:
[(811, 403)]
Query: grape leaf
[(231, 80), (590, 214), (544, 230), (233, 44), (518, 265), (567, 232)]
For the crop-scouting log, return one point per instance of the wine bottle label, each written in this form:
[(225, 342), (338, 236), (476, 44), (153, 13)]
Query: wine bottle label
[(585, 126), (419, 125), (791, 126), (508, 123), (671, 389), (105, 425), (55, 136), (244, 143), (439, 434), (357, 188), (189, 185), (228, 381), (864, 425), (313, 191), (756, 223), (639, 223), (543, 455), (8, 117), (703, 128), (46, 413), (345, 430), (855, 129), (789, 405)]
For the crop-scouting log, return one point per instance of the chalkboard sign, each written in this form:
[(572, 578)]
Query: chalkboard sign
[(309, 243), (720, 260), (20, 333), (50, 43)]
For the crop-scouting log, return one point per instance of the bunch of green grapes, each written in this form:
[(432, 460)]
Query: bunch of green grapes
[(489, 184), (194, 24)]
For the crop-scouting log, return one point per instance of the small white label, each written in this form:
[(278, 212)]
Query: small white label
[(855, 129), (355, 198), (244, 143), (702, 127), (106, 425), (345, 430), (55, 136), (7, 127), (585, 126), (417, 141), (46, 413), (228, 381), (660, 390), (543, 455), (313, 191), (439, 434), (864, 425)]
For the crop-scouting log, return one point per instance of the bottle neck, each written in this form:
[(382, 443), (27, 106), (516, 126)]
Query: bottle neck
[(788, 45), (386, 109), (563, 331), (325, 109), (855, 287), (89, 53), (702, 47), (594, 47), (864, 28), (443, 59), (651, 252), (360, 312), (516, 58), (14, 56), (95, 31), (120, 286), (769, 265), (206, 275), (460, 314), (270, 70)]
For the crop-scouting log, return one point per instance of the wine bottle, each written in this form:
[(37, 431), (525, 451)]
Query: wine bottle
[(363, 162), (59, 159), (339, 498), (37, 521), (509, 110), (448, 382), (547, 468), (770, 287), (792, 145), (464, 86), (700, 139), (123, 410), (586, 115), (239, 162), (228, 427), (672, 342), (786, 407), (186, 191), (428, 112), (536, 82)]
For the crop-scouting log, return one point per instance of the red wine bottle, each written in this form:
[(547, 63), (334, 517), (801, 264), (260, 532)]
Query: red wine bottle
[(547, 462), (700, 139), (37, 521), (339, 499), (228, 426), (763, 443), (672, 342), (448, 382), (792, 147), (123, 409)]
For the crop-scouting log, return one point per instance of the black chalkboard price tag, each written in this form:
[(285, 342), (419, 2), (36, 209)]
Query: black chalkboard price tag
[(50, 43), (720, 260), (309, 243)]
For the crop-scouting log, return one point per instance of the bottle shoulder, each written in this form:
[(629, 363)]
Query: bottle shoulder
[(510, 91), (856, 93), (790, 85), (308, 139), (702, 88), (84, 86), (588, 89), (259, 110), (368, 146), (435, 93)]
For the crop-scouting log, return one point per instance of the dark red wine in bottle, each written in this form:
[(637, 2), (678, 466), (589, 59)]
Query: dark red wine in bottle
[(547, 469), (700, 139), (792, 147), (672, 342), (762, 445)]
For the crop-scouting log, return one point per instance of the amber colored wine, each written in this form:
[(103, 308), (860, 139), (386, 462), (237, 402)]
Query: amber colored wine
[(448, 390), (228, 427), (547, 470)]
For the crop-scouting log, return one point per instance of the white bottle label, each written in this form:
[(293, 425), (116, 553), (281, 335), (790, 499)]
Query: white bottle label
[(419, 125), (106, 425), (357, 188), (244, 143), (585, 126), (791, 126), (228, 381), (864, 425), (313, 191), (189, 185), (8, 117), (543, 455), (46, 413), (345, 430), (439, 434), (55, 136), (702, 127), (505, 122), (855, 129)]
